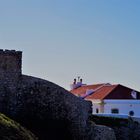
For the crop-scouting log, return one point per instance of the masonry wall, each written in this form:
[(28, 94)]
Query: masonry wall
[(10, 64), (10, 73)]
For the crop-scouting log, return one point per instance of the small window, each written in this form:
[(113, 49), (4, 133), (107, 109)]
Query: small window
[(97, 110), (131, 113), (115, 111)]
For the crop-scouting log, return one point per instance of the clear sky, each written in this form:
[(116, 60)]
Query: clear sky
[(98, 40)]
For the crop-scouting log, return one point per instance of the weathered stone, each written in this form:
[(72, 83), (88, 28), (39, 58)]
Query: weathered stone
[(42, 101), (103, 133), (124, 129)]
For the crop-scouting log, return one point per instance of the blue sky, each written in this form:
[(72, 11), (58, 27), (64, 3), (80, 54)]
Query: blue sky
[(98, 40)]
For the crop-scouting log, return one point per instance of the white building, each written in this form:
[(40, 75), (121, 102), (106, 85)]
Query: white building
[(109, 99)]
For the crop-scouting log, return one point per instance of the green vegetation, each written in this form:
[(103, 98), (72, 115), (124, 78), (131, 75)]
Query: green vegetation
[(11, 130)]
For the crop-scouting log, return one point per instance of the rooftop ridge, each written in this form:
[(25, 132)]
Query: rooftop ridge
[(107, 84)]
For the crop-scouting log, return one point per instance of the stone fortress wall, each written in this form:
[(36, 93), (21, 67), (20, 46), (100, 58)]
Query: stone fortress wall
[(10, 67), (10, 74), (48, 110)]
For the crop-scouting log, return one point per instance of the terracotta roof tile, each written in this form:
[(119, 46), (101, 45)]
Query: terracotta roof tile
[(103, 91), (82, 90)]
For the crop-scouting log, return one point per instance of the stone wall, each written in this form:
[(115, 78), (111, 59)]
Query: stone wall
[(10, 64), (10, 74)]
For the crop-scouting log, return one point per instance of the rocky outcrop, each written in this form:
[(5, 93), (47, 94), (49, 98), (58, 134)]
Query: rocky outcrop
[(51, 112), (125, 129), (103, 133), (44, 105)]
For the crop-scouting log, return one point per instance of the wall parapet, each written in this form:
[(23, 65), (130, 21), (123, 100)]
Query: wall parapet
[(10, 51)]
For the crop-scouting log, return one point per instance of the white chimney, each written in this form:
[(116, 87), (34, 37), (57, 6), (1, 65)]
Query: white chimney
[(76, 84), (73, 86)]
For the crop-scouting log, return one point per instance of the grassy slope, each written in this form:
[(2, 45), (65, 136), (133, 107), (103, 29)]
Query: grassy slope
[(10, 130)]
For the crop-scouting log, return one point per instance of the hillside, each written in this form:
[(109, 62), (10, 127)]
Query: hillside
[(10, 130)]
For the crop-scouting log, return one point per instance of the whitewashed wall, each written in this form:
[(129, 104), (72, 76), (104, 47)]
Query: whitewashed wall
[(124, 106), (96, 104), (94, 107)]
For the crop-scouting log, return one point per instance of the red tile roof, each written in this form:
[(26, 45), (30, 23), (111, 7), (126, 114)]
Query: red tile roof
[(82, 90), (102, 91)]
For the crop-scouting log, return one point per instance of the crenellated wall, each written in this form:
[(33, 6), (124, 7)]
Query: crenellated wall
[(10, 63)]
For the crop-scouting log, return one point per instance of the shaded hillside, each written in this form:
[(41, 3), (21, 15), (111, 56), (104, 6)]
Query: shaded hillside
[(10, 130)]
